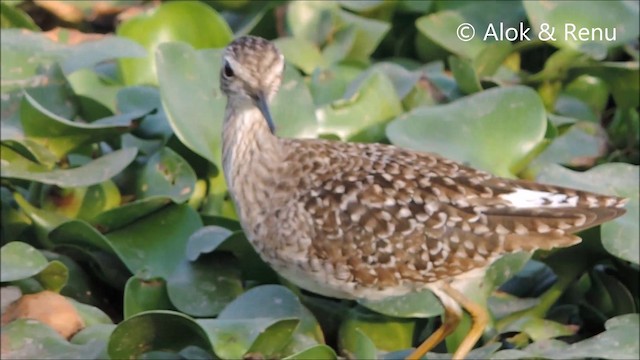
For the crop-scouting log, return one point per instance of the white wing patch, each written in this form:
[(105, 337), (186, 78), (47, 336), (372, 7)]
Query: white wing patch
[(523, 198)]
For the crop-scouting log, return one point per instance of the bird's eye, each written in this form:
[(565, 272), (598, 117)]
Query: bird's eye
[(228, 71)]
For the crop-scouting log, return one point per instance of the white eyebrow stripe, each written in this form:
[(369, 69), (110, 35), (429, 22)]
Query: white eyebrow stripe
[(523, 198)]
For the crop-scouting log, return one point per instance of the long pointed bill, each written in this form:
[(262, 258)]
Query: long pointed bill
[(264, 109)]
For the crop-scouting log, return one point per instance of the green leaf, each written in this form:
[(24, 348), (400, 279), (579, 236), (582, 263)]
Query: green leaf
[(359, 346), (194, 104), (568, 18), (618, 236), (465, 75), (54, 277), (580, 145), (232, 338), (166, 174), (128, 213), (317, 21), (301, 53), (622, 78), (313, 353), (362, 115), (619, 341), (493, 130), (418, 304), (377, 328), (143, 295), (30, 339), (12, 17), (205, 240), (155, 245), (442, 26), (99, 170), (205, 286), (271, 342), (192, 22), (61, 135), (275, 302), (292, 109), (540, 329), (155, 330), (20, 261), (97, 335)]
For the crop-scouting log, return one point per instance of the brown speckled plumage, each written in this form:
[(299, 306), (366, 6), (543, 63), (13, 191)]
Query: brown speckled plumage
[(369, 220)]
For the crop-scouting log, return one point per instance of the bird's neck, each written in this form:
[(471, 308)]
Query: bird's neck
[(251, 153)]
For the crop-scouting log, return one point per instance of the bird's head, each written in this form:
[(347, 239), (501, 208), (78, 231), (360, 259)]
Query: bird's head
[(251, 71)]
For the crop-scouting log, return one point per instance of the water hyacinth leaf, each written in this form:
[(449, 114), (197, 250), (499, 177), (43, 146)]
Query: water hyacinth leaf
[(619, 341), (61, 135), (232, 338), (126, 214), (20, 261), (272, 341), (155, 330), (328, 85), (317, 21), (166, 174), (301, 53), (418, 304), (443, 27), (145, 295), (619, 235), (292, 108), (312, 20), (146, 98), (206, 240), (580, 145), (194, 23), (90, 86), (154, 245), (79, 233), (276, 302), (622, 320), (360, 346), (13, 17), (591, 90), (253, 267), (491, 57), (31, 339), (622, 78), (189, 88), (540, 329), (99, 170), (377, 328), (89, 53), (493, 130), (80, 201), (314, 352), (339, 46), (95, 334), (91, 315), (54, 277), (619, 26), (26, 55), (362, 116), (43, 221), (465, 75), (204, 287)]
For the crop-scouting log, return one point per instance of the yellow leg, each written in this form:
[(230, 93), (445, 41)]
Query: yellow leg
[(452, 315), (451, 300), (479, 321)]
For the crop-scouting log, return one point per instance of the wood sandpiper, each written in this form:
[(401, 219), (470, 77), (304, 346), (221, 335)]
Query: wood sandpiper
[(369, 221)]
